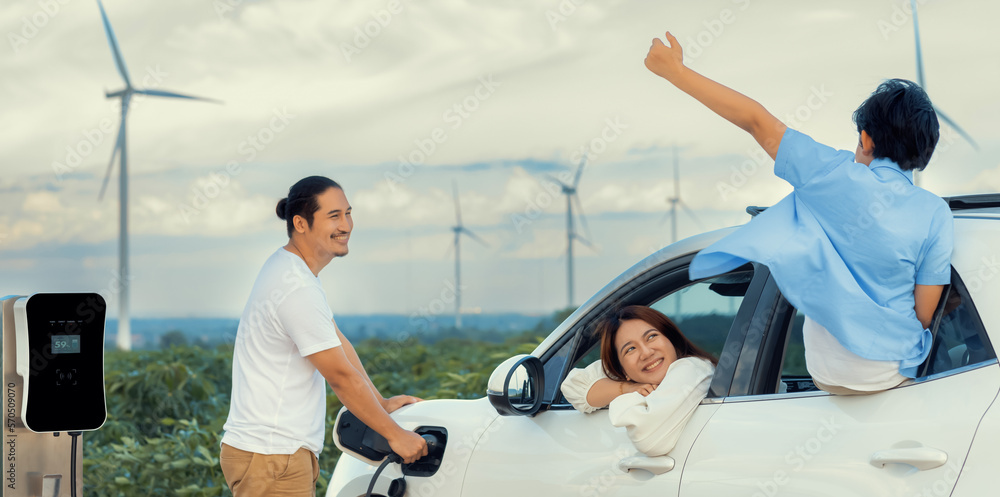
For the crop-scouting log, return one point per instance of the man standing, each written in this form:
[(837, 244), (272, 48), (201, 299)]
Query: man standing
[(286, 345)]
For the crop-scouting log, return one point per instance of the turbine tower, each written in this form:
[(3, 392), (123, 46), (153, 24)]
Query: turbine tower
[(124, 339), (460, 230), (571, 234), (920, 81), (676, 201)]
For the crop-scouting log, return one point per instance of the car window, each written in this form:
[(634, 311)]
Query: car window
[(795, 351), (704, 311), (554, 367), (794, 375), (592, 355), (959, 340)]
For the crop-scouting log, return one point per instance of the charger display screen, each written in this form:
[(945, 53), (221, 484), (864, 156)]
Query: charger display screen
[(65, 344)]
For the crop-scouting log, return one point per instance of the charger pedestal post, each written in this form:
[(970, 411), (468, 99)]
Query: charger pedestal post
[(34, 464)]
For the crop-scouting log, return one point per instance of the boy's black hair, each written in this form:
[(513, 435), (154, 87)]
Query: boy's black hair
[(902, 122)]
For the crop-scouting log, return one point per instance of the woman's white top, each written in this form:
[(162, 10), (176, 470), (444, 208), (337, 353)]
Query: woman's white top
[(654, 422)]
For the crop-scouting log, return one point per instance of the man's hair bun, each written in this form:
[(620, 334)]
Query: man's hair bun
[(281, 208)]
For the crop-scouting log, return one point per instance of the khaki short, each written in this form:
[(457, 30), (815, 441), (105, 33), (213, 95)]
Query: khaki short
[(249, 474)]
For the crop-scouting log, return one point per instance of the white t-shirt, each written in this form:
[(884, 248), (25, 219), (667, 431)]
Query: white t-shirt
[(278, 402), (831, 363), (655, 422)]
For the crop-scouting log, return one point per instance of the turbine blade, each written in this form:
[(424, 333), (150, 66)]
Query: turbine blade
[(115, 51), (111, 163), (666, 217), (579, 213), (585, 242), (579, 171), (451, 247), (957, 128), (170, 94), (920, 78), (691, 213), (458, 206), (556, 181), (475, 237), (916, 36)]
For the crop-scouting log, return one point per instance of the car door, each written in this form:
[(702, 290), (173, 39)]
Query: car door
[(563, 452), (774, 434)]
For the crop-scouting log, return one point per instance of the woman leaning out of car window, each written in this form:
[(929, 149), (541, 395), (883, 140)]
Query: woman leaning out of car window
[(650, 376)]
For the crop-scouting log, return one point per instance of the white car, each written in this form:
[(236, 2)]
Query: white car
[(763, 430)]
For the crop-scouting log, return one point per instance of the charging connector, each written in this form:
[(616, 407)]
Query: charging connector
[(353, 436), (398, 486)]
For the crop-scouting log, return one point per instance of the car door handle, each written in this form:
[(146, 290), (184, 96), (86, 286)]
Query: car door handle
[(656, 465), (922, 458)]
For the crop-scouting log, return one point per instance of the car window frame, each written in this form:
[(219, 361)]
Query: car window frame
[(759, 369), (647, 288)]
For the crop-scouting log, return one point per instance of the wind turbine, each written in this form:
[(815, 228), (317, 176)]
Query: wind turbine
[(460, 230), (674, 202), (124, 339), (920, 81), (571, 234)]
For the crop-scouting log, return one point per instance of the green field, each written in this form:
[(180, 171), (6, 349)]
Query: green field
[(166, 407)]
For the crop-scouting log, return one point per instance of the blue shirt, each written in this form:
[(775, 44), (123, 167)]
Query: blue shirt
[(846, 247)]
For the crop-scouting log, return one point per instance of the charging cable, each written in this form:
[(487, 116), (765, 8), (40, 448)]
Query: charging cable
[(72, 462), (390, 459)]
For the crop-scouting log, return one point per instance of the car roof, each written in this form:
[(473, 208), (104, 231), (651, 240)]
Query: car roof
[(981, 201), (979, 205)]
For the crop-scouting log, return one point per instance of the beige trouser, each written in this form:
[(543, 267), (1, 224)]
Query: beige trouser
[(249, 474)]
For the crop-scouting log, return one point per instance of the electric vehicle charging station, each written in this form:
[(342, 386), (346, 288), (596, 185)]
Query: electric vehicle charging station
[(53, 375)]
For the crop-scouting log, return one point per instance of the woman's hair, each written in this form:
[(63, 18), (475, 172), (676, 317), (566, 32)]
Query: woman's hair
[(301, 200), (608, 327)]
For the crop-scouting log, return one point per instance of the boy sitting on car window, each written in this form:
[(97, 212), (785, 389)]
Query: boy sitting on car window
[(856, 247)]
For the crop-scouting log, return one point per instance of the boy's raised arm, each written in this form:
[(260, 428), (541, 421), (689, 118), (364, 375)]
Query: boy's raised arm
[(752, 117)]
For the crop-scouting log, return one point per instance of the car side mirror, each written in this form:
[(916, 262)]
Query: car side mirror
[(516, 385)]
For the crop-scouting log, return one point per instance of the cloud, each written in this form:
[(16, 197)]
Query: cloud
[(42, 202), (985, 181), (352, 118), (644, 245), (216, 206), (541, 244)]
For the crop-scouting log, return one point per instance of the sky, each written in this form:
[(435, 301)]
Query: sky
[(400, 100)]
